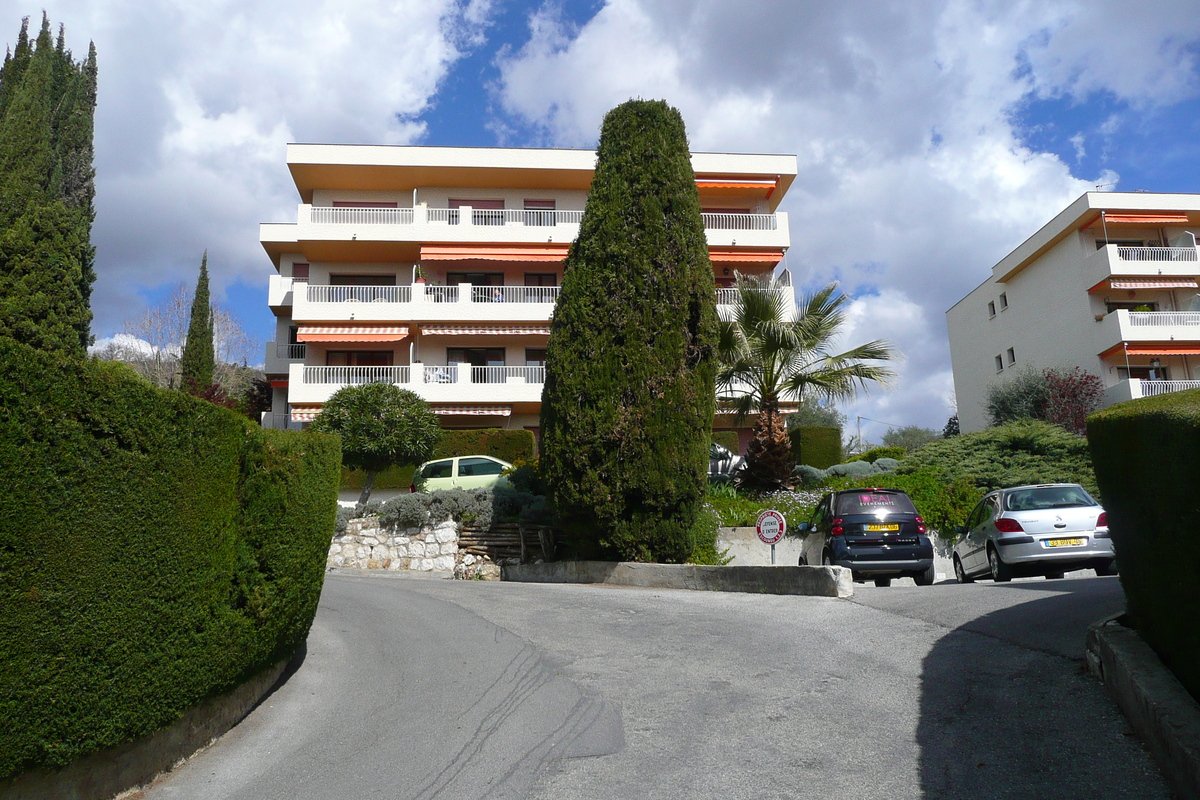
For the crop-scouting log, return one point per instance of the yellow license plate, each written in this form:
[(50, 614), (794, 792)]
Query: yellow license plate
[(883, 527), (1065, 542)]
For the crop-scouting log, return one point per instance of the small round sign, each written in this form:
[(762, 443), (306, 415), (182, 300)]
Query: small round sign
[(771, 526)]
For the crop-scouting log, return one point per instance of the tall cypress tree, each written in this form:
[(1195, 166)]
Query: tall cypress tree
[(47, 104), (628, 403), (196, 362)]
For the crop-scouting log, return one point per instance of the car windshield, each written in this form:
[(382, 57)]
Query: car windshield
[(1041, 497), (868, 502)]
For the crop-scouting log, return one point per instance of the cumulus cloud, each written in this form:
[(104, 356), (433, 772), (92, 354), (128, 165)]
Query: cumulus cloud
[(196, 103), (913, 179)]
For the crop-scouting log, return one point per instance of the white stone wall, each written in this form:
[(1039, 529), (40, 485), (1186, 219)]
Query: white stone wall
[(367, 544)]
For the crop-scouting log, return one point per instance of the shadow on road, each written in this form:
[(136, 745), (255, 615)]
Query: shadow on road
[(1007, 709)]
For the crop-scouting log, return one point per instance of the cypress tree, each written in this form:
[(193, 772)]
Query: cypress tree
[(628, 403), (47, 104), (196, 362)]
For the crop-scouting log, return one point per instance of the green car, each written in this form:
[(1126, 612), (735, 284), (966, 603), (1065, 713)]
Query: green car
[(460, 472)]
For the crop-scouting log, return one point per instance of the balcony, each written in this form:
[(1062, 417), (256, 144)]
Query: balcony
[(502, 226), (453, 383), (280, 356), (1154, 262), (1148, 326), (279, 291), (1135, 388)]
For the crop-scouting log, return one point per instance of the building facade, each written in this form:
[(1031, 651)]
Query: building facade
[(437, 269), (1109, 285)]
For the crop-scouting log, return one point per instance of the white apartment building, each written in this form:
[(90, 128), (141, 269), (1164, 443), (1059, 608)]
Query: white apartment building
[(1110, 285), (437, 268)]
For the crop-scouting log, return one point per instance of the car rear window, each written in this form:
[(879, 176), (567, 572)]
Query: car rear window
[(438, 469), (1042, 497), (865, 502)]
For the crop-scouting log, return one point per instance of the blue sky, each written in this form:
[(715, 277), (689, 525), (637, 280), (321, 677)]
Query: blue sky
[(932, 136)]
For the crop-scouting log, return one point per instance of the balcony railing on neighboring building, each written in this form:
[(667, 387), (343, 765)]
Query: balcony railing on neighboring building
[(348, 376), (292, 352), (451, 373), (1152, 388), (529, 218), (727, 297), (1164, 318), (1156, 253), (358, 294)]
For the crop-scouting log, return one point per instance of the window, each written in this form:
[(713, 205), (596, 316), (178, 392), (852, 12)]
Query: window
[(1159, 373), (539, 212), (299, 272), (362, 280), (478, 466), (535, 356), (1136, 305), (484, 212), (541, 279), (439, 469), (1012, 357), (999, 364), (991, 308), (484, 362), (1003, 301), (359, 358)]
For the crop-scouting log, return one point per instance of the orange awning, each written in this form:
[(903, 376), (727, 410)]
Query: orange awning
[(1142, 218), (737, 185), (1152, 283), (727, 255), (493, 252), (351, 333), (486, 330), (472, 411), (1154, 349), (305, 413), (279, 384)]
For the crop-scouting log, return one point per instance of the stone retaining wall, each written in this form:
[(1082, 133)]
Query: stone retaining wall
[(367, 544)]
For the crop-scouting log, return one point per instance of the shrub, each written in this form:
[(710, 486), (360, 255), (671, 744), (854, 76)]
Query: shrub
[(1018, 453), (909, 438), (526, 477), (886, 464), (876, 453), (1147, 456), (1058, 396), (809, 476), (853, 469), (156, 550), (406, 511), (475, 507), (627, 408), (816, 447), (506, 445), (729, 440)]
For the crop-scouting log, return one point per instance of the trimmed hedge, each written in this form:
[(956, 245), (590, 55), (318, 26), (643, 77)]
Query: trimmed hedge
[(155, 550), (816, 447), (728, 440), (505, 445), (1147, 459)]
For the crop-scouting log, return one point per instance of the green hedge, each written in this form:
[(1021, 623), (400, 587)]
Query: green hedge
[(503, 444), (876, 453), (728, 440), (942, 503), (155, 550), (816, 447), (1147, 459)]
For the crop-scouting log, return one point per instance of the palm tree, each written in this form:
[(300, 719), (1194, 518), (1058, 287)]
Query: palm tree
[(772, 351)]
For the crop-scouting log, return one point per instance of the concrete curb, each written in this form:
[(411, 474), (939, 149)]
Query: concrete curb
[(814, 581), (110, 772), (1164, 714)]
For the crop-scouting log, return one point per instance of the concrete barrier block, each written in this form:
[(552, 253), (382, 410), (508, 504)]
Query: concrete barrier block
[(813, 581)]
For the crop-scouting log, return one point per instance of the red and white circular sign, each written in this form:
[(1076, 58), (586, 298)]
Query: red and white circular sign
[(770, 527)]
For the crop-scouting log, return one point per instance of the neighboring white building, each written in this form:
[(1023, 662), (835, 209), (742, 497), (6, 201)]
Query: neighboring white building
[(1110, 285), (487, 230)]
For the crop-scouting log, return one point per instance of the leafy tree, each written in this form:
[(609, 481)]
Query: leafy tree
[(196, 363), (910, 437), (381, 426), (47, 102), (628, 403), (810, 413), (1058, 396), (772, 351), (951, 427)]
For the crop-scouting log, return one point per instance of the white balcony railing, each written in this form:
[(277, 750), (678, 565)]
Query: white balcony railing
[(441, 294), (442, 374), (1156, 253), (358, 294), (347, 376), (514, 294), (1163, 318), (1152, 388), (502, 374), (739, 222), (292, 352), (325, 215)]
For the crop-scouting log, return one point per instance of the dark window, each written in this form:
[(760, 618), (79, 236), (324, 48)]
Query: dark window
[(535, 356), (539, 212), (475, 278), (362, 280), (991, 308), (300, 272), (1044, 497), (999, 364), (1134, 305), (484, 212), (541, 279), (293, 330), (868, 502), (1012, 356), (359, 358), (438, 469), (478, 466), (1003, 301)]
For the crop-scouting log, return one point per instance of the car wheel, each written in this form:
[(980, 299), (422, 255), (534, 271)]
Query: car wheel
[(826, 560), (960, 573), (926, 578), (1053, 576), (803, 561), (1001, 572), (1109, 568), (883, 581)]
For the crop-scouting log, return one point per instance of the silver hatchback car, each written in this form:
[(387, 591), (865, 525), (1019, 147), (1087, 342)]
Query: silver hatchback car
[(1046, 530)]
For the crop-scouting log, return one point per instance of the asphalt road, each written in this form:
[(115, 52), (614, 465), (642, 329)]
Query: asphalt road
[(417, 688)]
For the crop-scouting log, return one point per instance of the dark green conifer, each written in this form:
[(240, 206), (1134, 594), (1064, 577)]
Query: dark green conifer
[(47, 104), (196, 362), (628, 404)]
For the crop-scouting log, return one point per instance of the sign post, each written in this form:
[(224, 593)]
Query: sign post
[(771, 527)]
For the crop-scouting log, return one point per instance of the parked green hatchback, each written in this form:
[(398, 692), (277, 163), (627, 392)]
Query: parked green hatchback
[(460, 472)]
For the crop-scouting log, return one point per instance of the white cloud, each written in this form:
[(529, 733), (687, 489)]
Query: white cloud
[(912, 180), (196, 103)]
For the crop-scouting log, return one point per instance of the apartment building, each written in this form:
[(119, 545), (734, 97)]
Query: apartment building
[(1110, 285), (437, 269)]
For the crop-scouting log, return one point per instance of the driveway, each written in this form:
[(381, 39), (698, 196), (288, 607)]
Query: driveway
[(423, 688)]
